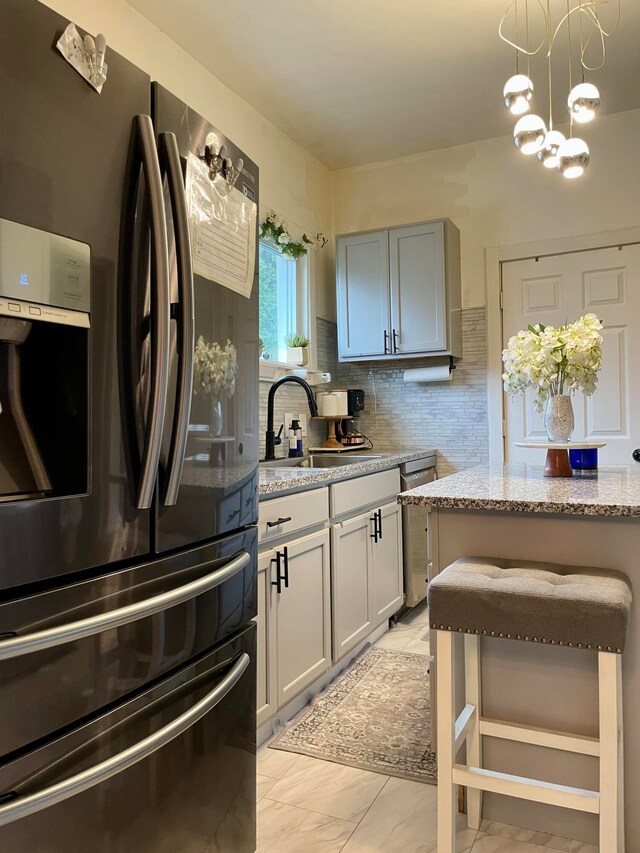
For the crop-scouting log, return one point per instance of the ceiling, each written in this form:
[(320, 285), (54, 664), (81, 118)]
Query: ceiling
[(359, 81)]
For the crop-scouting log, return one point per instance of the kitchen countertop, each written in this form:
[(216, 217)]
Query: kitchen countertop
[(615, 491), (276, 481)]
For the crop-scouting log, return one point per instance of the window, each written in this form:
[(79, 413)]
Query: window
[(283, 300)]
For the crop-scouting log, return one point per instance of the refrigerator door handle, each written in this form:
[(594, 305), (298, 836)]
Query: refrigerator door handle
[(72, 631), (160, 298), (32, 803), (170, 163)]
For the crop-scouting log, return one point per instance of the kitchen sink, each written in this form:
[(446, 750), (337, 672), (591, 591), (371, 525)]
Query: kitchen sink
[(321, 460)]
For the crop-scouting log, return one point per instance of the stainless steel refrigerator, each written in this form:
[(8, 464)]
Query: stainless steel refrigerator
[(128, 503)]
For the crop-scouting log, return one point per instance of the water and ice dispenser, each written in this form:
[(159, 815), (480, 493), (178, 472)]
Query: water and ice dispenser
[(45, 292)]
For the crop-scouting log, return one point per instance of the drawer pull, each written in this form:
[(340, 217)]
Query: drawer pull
[(278, 521), (73, 631), (379, 514), (30, 804)]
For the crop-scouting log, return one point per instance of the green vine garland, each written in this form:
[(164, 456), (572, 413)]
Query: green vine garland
[(273, 228)]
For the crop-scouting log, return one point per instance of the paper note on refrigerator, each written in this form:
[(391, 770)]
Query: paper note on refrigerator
[(222, 223)]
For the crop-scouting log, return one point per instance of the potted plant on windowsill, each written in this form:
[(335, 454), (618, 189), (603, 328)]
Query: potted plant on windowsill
[(297, 349)]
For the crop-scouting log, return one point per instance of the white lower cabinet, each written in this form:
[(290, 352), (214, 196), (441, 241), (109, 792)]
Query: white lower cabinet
[(315, 607), (386, 564), (267, 703), (294, 620), (351, 592), (366, 574)]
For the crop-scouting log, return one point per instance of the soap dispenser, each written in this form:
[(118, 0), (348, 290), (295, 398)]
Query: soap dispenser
[(295, 439)]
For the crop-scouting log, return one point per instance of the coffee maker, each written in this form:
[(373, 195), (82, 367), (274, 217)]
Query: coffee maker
[(347, 430)]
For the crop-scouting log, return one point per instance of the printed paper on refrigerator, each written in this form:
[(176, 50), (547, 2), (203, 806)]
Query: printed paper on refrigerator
[(222, 223)]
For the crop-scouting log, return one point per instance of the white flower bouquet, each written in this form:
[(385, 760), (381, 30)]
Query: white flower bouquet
[(554, 359), (215, 368)]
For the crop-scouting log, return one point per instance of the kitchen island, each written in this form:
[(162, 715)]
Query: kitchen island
[(512, 511)]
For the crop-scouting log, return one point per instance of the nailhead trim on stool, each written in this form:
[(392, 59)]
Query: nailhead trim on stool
[(576, 606)]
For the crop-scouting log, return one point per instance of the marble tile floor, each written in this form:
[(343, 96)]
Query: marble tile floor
[(306, 805), (312, 806)]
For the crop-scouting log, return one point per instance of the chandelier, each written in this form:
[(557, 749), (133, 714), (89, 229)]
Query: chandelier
[(576, 23)]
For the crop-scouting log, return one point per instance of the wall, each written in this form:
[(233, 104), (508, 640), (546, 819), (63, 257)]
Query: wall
[(291, 180), (496, 196), (448, 416)]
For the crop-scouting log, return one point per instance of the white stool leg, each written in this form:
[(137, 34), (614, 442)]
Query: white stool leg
[(446, 740), (611, 753), (473, 694)]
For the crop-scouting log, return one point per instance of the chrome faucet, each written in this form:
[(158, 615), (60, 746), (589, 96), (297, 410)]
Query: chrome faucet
[(270, 436)]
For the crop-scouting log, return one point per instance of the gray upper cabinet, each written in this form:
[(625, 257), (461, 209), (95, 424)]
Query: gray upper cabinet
[(363, 294), (418, 298), (398, 292)]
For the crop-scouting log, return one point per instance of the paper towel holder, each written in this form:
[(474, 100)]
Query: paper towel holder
[(421, 374)]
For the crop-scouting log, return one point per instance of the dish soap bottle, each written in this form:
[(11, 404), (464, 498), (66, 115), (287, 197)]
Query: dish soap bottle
[(295, 439)]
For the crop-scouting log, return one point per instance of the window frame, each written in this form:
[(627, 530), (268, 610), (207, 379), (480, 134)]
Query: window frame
[(305, 313)]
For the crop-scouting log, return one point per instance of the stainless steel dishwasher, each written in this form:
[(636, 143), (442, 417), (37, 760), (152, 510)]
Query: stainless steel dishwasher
[(414, 534)]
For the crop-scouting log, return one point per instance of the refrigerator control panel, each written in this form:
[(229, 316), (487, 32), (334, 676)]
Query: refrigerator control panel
[(48, 313), (40, 269)]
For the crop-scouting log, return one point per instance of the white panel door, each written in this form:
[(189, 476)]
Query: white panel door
[(363, 295), (265, 642), (303, 615), (386, 565), (418, 296), (351, 594), (553, 290)]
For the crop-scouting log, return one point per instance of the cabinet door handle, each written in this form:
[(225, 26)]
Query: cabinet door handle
[(394, 335), (374, 535), (278, 521), (278, 581), (285, 558), (379, 516), (386, 345)]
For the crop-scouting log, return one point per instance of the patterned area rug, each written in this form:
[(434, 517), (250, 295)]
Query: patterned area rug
[(375, 716)]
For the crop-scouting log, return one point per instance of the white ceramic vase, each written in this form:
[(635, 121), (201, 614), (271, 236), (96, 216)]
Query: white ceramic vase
[(558, 417), (217, 418)]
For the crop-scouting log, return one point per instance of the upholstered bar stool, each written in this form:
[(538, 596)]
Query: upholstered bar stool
[(579, 607)]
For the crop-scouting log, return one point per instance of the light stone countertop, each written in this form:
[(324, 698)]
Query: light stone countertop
[(277, 481), (615, 491)]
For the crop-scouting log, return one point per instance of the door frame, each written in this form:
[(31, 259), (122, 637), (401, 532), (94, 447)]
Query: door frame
[(494, 258)]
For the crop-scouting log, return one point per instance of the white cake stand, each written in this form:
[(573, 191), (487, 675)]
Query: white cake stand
[(557, 462)]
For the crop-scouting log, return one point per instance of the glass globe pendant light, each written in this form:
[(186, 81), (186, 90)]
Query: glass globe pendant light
[(529, 134), (517, 94), (583, 101), (548, 154), (573, 157)]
